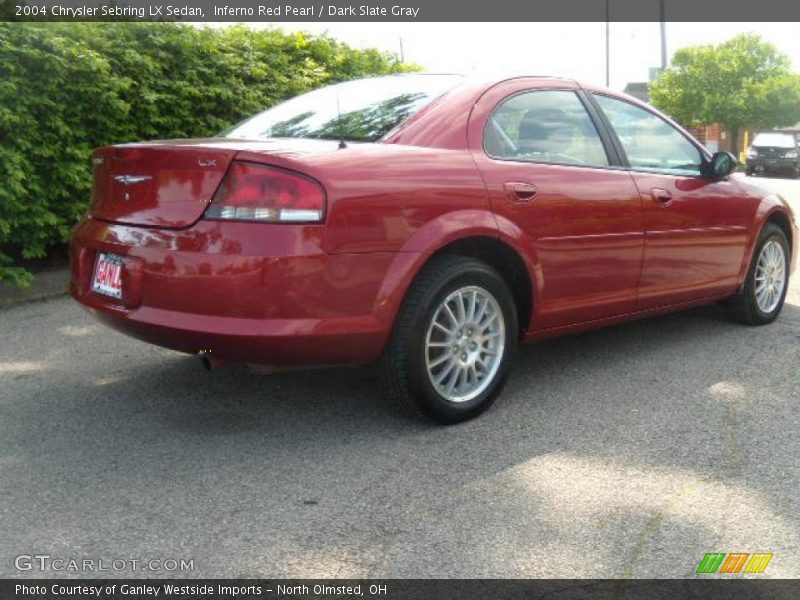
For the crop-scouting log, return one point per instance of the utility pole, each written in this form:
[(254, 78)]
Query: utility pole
[(402, 53), (608, 44), (663, 34)]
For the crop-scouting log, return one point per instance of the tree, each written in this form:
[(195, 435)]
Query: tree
[(8, 10), (744, 82)]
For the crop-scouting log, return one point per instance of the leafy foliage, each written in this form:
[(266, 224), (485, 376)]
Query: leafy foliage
[(742, 82), (68, 88), (8, 10)]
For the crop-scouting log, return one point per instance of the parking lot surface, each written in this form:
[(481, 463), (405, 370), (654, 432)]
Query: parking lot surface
[(625, 452)]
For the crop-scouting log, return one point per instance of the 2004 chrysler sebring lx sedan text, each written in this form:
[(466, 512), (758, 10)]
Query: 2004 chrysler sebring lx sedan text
[(430, 221)]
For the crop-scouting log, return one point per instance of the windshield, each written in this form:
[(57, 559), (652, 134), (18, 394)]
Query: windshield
[(363, 110), (779, 140)]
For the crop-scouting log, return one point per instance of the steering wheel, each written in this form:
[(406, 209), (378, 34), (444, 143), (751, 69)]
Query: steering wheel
[(509, 147)]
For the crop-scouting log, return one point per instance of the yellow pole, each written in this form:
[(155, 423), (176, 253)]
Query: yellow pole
[(742, 154)]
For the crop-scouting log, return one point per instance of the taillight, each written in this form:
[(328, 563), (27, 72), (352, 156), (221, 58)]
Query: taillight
[(254, 192)]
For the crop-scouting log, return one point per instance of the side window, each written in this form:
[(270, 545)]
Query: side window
[(545, 126), (651, 143)]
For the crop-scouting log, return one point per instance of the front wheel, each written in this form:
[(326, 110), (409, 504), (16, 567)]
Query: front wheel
[(761, 298), (451, 346)]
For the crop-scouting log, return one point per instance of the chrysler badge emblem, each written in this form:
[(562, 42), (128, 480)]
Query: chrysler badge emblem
[(131, 179)]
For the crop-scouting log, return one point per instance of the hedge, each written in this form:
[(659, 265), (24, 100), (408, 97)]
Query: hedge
[(66, 88)]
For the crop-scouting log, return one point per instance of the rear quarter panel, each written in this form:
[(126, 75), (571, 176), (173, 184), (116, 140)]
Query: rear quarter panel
[(403, 202), (381, 196)]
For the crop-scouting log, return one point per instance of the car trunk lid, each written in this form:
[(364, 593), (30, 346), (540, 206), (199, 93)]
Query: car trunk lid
[(169, 184), (159, 185)]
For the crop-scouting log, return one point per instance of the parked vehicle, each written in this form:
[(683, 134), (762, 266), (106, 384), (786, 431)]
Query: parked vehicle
[(774, 152), (427, 221)]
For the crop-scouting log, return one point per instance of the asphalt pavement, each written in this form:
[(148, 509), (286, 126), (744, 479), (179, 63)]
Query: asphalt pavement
[(625, 452)]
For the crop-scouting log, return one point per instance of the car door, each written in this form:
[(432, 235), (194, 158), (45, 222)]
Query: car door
[(553, 183), (696, 227)]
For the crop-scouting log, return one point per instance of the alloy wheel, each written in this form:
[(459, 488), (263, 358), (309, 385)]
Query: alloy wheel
[(770, 276), (464, 344)]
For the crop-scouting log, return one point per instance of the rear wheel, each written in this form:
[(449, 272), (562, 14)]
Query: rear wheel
[(748, 171), (764, 290), (450, 350)]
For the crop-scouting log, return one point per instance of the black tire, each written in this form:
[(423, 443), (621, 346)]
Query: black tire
[(748, 171), (404, 361), (743, 307)]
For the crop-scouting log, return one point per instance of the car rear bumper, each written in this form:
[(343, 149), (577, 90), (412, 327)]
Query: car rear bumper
[(256, 293)]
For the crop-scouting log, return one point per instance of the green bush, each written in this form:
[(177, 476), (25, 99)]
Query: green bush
[(66, 88)]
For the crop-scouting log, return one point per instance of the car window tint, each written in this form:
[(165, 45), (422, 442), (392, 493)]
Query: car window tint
[(547, 126), (362, 110), (651, 143)]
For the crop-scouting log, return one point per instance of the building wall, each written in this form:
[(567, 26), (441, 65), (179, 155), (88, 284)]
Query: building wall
[(716, 139)]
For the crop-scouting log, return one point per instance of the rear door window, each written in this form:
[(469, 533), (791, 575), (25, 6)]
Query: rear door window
[(548, 126)]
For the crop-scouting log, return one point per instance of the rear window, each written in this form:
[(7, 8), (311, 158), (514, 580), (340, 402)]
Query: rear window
[(363, 110), (776, 140)]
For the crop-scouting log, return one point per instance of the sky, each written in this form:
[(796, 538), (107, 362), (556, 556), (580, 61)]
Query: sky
[(574, 50)]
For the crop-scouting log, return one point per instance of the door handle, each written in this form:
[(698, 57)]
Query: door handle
[(519, 191), (661, 195)]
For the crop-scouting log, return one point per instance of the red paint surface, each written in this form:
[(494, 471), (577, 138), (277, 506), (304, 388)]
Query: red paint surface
[(597, 246)]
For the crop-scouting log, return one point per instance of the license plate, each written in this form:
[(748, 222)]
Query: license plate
[(108, 275)]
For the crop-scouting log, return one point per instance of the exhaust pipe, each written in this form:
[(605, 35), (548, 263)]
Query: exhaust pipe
[(209, 364)]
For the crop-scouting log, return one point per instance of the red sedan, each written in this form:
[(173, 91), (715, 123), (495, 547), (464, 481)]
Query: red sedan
[(430, 221)]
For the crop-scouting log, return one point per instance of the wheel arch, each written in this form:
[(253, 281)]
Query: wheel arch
[(481, 240), (781, 219), (771, 210), (506, 261)]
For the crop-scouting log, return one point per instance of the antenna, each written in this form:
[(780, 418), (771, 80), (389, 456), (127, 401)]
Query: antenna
[(663, 18), (608, 43), (342, 145)]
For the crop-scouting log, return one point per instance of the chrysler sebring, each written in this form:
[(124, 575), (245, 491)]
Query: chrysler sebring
[(429, 222)]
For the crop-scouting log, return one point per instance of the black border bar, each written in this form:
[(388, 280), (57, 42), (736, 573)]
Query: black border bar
[(403, 10), (707, 588)]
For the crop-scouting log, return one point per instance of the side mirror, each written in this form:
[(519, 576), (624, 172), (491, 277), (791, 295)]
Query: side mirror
[(721, 165)]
